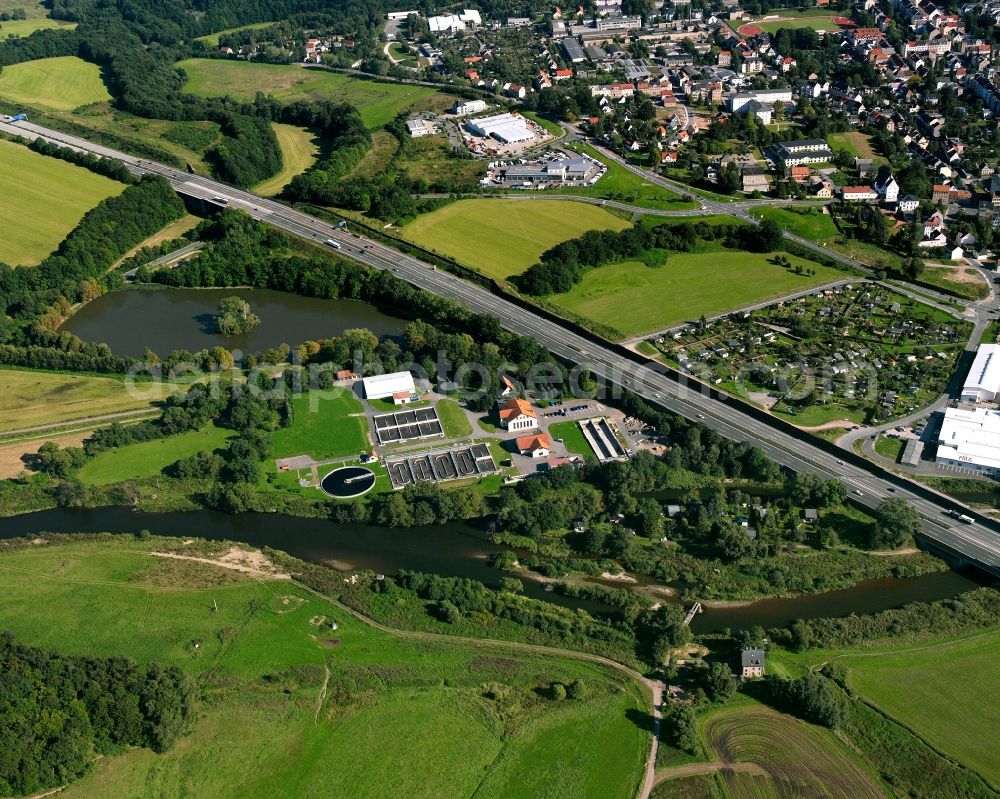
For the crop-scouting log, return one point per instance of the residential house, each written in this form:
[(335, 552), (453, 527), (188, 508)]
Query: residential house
[(751, 663)]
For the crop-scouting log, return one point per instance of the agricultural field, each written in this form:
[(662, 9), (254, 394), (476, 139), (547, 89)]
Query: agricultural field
[(432, 159), (501, 238), (298, 152), (26, 27), (634, 299), (620, 184), (814, 357), (53, 194), (325, 425), (29, 398), (798, 759), (149, 458), (378, 102), (810, 223), (295, 708), (61, 84), (938, 692)]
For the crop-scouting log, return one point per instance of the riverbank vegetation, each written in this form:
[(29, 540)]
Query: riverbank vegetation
[(270, 656)]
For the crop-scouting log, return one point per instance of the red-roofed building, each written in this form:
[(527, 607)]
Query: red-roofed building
[(562, 74), (536, 446), (800, 174), (860, 35), (940, 193), (517, 414)]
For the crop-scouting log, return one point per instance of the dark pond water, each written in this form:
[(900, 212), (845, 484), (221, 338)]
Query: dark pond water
[(166, 319), (459, 550)]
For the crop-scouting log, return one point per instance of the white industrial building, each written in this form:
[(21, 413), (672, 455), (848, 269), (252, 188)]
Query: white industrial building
[(397, 385), (463, 107), (505, 128), (983, 382), (469, 19), (970, 439)]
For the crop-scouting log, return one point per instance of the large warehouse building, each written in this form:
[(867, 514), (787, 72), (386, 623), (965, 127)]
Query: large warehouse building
[(970, 439), (505, 128), (396, 385), (983, 382)]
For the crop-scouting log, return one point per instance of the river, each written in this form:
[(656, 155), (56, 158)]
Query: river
[(459, 550), (166, 319)]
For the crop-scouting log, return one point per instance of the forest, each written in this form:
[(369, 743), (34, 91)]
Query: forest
[(61, 711)]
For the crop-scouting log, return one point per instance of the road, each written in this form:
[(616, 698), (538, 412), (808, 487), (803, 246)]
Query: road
[(976, 542)]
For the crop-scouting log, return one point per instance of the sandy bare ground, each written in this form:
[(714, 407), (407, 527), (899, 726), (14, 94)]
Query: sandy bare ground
[(960, 274), (252, 562), (11, 463), (694, 769)]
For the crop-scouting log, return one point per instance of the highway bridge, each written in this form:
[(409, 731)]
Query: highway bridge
[(977, 543)]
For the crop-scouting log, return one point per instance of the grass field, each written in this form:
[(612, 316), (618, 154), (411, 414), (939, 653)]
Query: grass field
[(174, 230), (799, 759), (501, 238), (378, 157), (295, 709), (378, 102), (62, 83), (298, 153), (453, 419), (151, 457), (939, 692), (431, 158), (29, 398), (26, 27), (634, 299), (620, 184), (819, 19), (572, 437), (33, 9), (53, 194), (323, 427), (213, 38), (855, 142), (806, 222)]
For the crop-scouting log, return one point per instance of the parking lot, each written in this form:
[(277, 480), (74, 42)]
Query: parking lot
[(408, 425), (458, 463)]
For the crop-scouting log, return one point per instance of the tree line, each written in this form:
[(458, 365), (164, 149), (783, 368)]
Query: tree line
[(61, 711), (564, 265)]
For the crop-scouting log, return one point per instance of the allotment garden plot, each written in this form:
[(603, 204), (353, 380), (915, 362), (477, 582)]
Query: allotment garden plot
[(409, 425), (854, 353), (457, 463)]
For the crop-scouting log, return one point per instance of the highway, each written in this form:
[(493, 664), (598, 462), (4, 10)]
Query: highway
[(974, 542)]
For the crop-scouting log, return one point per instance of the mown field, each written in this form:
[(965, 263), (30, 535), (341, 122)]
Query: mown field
[(855, 142), (819, 19), (501, 238), (43, 200), (809, 223), (634, 299), (298, 153), (33, 9), (149, 458), (29, 398), (453, 419), (378, 102), (213, 38), (939, 692), (573, 438), (62, 83), (293, 708), (26, 27), (799, 759), (323, 426)]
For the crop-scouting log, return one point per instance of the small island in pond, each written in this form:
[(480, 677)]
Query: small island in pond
[(234, 317)]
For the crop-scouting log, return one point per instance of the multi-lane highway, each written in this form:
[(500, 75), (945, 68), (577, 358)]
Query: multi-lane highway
[(975, 542)]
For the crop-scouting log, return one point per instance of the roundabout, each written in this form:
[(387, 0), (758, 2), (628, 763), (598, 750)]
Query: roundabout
[(348, 482)]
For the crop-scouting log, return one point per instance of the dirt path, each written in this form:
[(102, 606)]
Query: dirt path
[(255, 563), (846, 424), (695, 769), (322, 693)]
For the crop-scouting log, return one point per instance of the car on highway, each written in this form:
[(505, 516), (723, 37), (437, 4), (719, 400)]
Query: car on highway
[(858, 492), (701, 416)]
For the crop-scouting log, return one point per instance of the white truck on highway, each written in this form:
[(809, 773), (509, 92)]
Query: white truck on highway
[(332, 243)]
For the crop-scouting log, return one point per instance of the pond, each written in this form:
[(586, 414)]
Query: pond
[(462, 549), (166, 319)]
